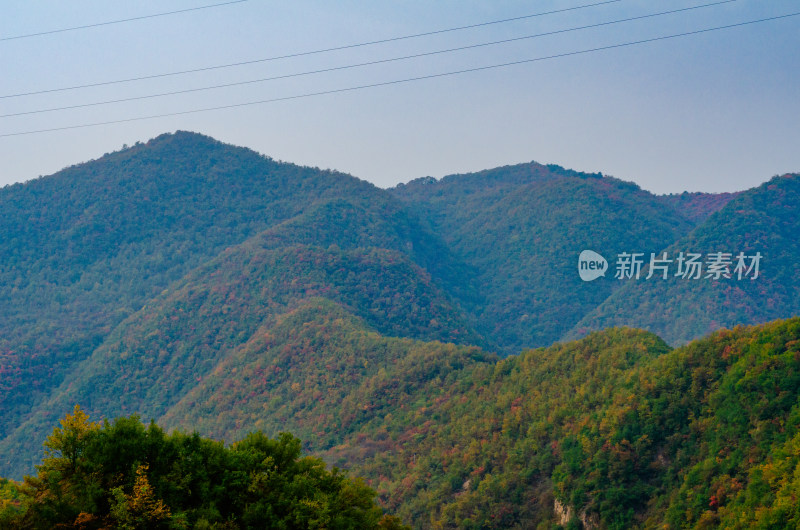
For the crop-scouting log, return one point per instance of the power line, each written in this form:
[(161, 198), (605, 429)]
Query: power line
[(357, 65), (98, 24), (406, 80), (313, 52)]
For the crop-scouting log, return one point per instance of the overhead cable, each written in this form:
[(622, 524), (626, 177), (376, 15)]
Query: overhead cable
[(303, 54), (110, 22), (406, 80), (357, 65)]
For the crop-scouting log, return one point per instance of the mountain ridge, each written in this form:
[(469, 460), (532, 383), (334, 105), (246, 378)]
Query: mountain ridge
[(208, 286)]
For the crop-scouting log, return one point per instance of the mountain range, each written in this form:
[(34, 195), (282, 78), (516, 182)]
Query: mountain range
[(435, 338)]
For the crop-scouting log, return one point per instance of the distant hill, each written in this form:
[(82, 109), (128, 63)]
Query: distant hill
[(764, 220), (522, 228), (696, 207)]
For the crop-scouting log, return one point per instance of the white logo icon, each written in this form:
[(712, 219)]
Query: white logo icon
[(591, 265)]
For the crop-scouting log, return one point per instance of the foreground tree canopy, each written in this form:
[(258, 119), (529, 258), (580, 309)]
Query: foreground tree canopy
[(123, 474)]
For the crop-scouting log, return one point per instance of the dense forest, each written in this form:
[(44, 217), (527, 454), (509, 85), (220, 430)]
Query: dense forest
[(616, 430), (619, 427), (762, 220), (216, 290), (123, 474)]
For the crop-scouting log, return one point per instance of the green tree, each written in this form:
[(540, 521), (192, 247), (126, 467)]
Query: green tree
[(121, 474)]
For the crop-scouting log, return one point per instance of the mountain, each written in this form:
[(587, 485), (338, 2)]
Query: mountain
[(358, 250), (89, 246), (617, 429), (214, 289), (696, 207), (481, 451), (522, 228), (764, 220)]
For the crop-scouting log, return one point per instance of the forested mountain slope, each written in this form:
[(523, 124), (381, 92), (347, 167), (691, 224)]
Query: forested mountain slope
[(85, 248), (321, 373), (617, 428), (210, 287), (155, 356), (696, 207), (522, 228), (764, 220)]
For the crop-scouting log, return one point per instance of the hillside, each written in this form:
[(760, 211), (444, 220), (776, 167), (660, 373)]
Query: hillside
[(320, 372), (212, 288), (522, 228), (87, 247), (92, 246), (618, 427), (696, 207), (763, 220), (155, 356)]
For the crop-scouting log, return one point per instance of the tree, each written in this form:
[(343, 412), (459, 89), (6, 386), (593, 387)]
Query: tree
[(121, 474), (64, 486), (141, 509)]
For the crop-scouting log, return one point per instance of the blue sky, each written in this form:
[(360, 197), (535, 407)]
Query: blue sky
[(716, 111)]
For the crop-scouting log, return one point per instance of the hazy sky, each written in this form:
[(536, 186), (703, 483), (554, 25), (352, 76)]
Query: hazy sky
[(716, 111)]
